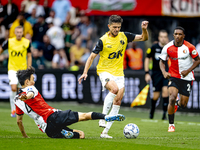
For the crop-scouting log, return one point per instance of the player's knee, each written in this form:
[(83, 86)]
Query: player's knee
[(114, 90), (183, 105), (172, 99)]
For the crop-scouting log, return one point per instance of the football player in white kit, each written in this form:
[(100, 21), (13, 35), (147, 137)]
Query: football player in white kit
[(184, 59)]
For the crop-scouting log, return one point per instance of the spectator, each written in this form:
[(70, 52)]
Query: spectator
[(60, 60), (32, 19), (68, 40), (39, 9), (198, 47), (2, 31), (39, 29), (25, 4), (56, 35), (86, 30), (37, 60), (133, 57), (74, 18), (10, 12), (47, 50), (25, 24), (61, 8), (52, 17), (76, 52)]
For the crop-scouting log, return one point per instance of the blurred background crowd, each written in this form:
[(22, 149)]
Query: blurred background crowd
[(63, 36)]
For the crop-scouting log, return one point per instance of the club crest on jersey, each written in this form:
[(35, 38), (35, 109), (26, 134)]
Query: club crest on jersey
[(107, 79), (122, 42), (194, 52), (109, 46), (184, 51)]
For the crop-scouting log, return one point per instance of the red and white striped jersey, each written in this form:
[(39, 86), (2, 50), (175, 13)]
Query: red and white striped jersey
[(36, 107), (181, 59)]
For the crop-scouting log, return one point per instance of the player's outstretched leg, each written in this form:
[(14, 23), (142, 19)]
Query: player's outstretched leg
[(94, 116)]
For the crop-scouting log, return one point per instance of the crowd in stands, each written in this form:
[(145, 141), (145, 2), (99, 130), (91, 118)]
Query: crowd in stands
[(61, 36)]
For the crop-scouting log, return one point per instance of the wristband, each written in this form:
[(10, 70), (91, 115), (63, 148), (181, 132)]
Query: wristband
[(146, 72)]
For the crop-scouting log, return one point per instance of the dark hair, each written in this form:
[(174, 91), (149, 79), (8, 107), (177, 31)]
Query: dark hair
[(115, 19), (180, 28), (22, 75), (163, 31)]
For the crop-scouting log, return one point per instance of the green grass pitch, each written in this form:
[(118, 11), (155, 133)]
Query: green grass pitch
[(153, 133)]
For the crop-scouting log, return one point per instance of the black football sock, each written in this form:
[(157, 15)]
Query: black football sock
[(153, 106), (165, 104), (95, 116), (171, 118)]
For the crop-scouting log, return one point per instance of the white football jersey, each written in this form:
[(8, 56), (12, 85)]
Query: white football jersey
[(27, 110), (181, 59)]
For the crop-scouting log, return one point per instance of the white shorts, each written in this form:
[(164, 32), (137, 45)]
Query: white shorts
[(12, 76), (105, 77)]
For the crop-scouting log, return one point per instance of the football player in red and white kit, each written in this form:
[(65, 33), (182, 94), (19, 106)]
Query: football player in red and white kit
[(49, 120), (184, 59)]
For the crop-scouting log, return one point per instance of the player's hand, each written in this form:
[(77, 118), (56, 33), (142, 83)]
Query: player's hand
[(83, 76), (147, 78), (167, 75), (184, 73), (23, 97), (144, 24)]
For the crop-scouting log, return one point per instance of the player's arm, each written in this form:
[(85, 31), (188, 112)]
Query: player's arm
[(162, 68), (21, 126), (144, 36), (196, 62), (87, 66), (29, 56), (146, 69), (4, 46), (95, 52), (24, 97)]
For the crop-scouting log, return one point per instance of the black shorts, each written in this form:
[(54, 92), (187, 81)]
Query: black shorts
[(184, 87), (158, 81), (58, 121)]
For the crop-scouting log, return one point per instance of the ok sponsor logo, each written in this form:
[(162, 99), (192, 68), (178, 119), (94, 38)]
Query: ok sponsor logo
[(17, 53), (114, 55)]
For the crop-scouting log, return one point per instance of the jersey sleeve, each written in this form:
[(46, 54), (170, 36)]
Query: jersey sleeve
[(29, 48), (31, 89), (130, 36), (5, 45), (19, 111), (193, 52), (98, 47), (164, 54)]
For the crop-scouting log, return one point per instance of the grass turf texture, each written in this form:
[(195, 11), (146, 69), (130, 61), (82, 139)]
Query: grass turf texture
[(153, 133)]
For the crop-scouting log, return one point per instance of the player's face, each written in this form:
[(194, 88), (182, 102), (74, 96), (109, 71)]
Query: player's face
[(19, 33), (114, 28), (163, 38), (178, 37), (31, 81)]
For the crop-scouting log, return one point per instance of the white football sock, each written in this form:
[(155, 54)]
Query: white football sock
[(114, 111), (12, 96), (108, 102), (171, 125)]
